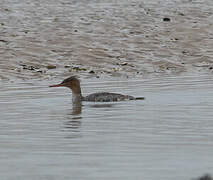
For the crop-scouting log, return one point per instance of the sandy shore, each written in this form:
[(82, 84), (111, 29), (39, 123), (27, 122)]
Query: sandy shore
[(48, 39)]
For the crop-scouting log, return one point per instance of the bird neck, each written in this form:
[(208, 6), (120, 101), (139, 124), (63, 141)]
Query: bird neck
[(76, 97), (76, 92)]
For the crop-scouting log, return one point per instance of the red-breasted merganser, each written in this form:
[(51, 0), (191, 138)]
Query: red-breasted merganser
[(74, 84)]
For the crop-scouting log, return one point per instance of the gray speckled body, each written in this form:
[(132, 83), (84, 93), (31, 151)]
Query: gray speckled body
[(107, 97)]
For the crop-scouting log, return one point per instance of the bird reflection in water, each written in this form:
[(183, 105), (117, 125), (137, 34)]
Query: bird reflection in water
[(74, 117), (107, 105), (76, 108)]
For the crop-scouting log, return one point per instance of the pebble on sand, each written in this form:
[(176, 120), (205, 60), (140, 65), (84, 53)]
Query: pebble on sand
[(51, 67), (91, 72), (166, 19)]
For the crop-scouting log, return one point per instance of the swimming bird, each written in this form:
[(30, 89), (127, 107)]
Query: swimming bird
[(74, 84)]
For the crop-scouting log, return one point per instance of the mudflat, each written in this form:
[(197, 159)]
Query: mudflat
[(56, 38)]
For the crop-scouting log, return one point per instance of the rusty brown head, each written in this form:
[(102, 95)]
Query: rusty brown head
[(71, 82)]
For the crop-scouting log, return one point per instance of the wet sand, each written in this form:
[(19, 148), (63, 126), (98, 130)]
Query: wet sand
[(134, 38)]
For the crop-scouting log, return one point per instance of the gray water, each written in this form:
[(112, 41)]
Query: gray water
[(167, 136)]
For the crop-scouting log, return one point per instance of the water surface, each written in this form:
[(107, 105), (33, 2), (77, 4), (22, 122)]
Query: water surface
[(167, 136)]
